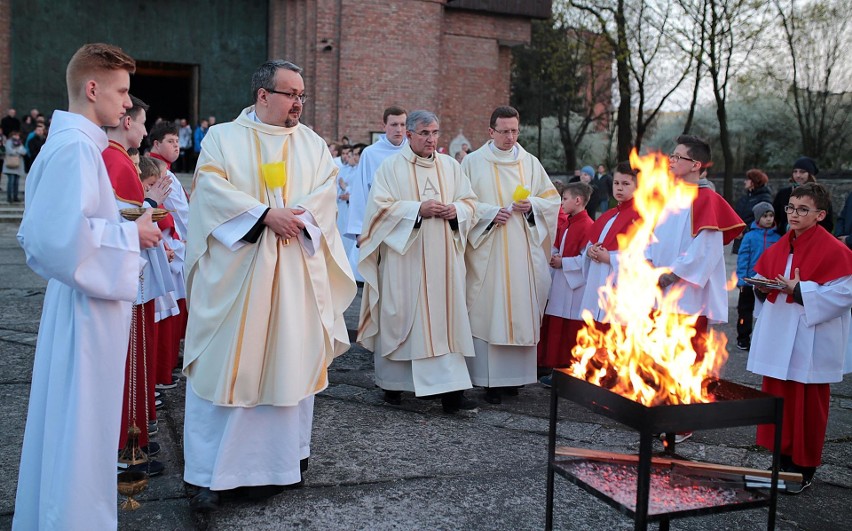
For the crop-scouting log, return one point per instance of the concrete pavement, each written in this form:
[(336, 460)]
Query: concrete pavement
[(375, 466)]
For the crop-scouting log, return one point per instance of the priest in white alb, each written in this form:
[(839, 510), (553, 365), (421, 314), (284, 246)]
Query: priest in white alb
[(74, 237), (413, 311), (268, 282), (508, 271)]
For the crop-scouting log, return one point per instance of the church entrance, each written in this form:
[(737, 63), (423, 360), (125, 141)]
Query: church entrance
[(171, 90)]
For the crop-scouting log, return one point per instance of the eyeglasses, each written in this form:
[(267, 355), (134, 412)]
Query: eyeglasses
[(427, 134), (507, 132), (675, 158), (801, 211), (291, 95)]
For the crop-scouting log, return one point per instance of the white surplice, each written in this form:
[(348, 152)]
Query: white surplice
[(597, 274), (566, 291), (361, 180), (699, 261), (74, 237), (808, 342), (508, 274)]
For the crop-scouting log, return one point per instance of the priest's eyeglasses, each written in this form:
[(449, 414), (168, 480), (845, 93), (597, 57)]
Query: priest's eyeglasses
[(801, 211), (427, 134), (508, 132), (290, 95)]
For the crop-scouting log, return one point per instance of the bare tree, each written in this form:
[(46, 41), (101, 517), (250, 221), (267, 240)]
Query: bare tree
[(656, 72), (817, 38), (723, 34), (565, 70)]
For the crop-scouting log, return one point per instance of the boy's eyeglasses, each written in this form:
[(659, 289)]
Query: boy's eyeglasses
[(801, 211)]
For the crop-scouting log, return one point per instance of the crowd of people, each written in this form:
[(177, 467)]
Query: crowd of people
[(473, 274)]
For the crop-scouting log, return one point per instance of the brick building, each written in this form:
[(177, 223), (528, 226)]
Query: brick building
[(359, 56)]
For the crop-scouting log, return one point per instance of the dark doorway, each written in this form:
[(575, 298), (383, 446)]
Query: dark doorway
[(171, 90)]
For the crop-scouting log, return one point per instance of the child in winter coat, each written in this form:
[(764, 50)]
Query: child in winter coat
[(761, 235)]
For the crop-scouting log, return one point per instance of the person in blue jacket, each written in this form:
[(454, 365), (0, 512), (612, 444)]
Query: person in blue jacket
[(761, 235)]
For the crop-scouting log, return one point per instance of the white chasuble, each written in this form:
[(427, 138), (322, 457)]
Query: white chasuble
[(413, 311), (508, 274), (74, 237), (265, 319)]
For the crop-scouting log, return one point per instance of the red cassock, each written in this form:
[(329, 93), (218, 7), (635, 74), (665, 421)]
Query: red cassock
[(128, 189), (559, 335), (821, 258)]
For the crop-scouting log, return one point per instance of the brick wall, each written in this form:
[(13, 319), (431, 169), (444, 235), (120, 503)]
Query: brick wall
[(361, 56), (6, 56)]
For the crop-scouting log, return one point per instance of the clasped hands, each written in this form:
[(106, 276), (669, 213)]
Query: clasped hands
[(432, 208), (283, 221), (598, 253)]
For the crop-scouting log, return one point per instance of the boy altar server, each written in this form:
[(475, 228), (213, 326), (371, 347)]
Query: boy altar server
[(799, 344), (74, 236), (562, 316), (508, 273)]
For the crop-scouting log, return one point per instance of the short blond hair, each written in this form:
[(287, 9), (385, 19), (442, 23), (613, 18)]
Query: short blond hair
[(93, 58)]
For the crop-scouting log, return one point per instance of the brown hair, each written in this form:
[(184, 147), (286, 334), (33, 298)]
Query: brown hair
[(625, 168), (696, 148), (393, 110), (160, 130), (757, 177), (579, 189), (817, 192), (91, 59), (148, 167), (503, 112)]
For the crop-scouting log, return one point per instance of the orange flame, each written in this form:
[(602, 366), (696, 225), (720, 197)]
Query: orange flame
[(646, 354)]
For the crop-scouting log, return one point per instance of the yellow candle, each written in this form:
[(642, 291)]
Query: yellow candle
[(520, 193), (274, 174)]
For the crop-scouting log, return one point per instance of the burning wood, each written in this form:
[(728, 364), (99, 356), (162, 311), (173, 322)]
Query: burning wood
[(647, 354)]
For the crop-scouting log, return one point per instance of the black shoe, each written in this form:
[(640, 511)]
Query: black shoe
[(152, 468), (393, 398), (743, 345), (465, 403), (511, 390), (205, 501), (152, 449), (493, 395), (303, 465)]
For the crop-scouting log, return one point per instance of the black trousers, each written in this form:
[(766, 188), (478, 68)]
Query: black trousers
[(745, 314)]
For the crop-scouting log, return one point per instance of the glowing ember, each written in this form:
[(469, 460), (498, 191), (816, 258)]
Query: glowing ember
[(647, 355)]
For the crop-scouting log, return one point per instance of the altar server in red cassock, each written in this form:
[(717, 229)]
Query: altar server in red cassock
[(601, 253), (155, 277), (691, 242), (800, 342), (562, 316)]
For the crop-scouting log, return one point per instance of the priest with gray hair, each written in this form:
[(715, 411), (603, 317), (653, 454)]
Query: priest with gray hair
[(413, 309)]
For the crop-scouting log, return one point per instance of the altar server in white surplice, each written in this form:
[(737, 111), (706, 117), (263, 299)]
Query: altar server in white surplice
[(413, 311), (74, 237), (390, 143), (267, 284), (508, 271)]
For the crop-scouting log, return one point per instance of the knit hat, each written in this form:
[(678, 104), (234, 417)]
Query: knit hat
[(806, 163), (589, 170), (761, 208)]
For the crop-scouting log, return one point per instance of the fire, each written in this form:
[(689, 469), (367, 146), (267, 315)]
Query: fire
[(648, 356)]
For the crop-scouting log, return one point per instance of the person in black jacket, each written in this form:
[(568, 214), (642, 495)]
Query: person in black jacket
[(757, 191), (804, 171)]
